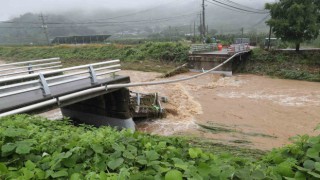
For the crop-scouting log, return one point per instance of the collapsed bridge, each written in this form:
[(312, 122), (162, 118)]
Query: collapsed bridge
[(92, 93)]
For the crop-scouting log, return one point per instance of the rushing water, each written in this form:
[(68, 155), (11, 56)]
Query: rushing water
[(258, 112), (261, 111)]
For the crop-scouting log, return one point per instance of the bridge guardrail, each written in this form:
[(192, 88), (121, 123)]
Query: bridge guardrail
[(235, 48), (29, 67), (39, 80), (196, 48)]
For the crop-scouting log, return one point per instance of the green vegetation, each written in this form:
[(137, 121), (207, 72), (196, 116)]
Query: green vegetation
[(295, 21), (216, 128), (36, 148), (287, 65), (171, 52), (165, 56), (158, 57)]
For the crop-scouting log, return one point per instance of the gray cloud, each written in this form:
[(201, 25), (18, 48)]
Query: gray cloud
[(11, 8), (14, 8)]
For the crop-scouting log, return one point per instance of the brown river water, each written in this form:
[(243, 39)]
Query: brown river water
[(254, 111), (245, 110)]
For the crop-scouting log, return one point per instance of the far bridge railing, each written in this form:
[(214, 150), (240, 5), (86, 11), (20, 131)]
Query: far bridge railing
[(29, 67), (197, 48), (237, 48)]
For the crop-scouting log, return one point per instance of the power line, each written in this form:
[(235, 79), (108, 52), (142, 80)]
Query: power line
[(247, 7), (241, 9), (262, 20), (21, 27), (97, 20), (103, 22), (225, 7), (139, 12)]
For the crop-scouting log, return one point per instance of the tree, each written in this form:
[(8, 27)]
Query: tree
[(295, 21)]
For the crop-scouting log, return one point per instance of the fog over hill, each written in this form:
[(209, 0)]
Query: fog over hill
[(13, 8), (74, 17)]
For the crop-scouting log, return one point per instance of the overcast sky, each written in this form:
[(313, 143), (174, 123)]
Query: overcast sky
[(14, 8)]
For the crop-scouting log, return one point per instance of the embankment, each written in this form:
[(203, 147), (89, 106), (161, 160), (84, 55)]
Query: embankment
[(284, 64), (165, 52), (164, 56)]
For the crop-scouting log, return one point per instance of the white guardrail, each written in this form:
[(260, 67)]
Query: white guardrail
[(29, 67), (45, 80), (196, 48), (236, 48)]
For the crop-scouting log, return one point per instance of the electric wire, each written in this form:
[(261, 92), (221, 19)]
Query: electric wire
[(247, 7), (226, 7), (108, 22), (241, 9)]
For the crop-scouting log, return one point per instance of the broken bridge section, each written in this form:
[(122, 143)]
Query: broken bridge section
[(79, 91), (205, 57)]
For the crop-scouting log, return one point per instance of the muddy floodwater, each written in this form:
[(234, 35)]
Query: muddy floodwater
[(245, 110), (249, 110)]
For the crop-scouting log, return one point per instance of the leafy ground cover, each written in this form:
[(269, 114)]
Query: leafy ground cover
[(36, 148)]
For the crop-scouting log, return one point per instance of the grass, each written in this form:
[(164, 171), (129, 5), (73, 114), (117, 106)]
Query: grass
[(218, 129), (158, 57), (219, 148), (215, 129), (167, 51)]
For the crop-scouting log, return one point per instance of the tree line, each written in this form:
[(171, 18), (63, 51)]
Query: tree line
[(295, 21)]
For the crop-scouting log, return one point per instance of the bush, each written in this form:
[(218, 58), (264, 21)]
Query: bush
[(36, 148), (164, 51)]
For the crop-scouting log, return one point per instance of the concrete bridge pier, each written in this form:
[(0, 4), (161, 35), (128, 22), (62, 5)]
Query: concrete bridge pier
[(111, 109)]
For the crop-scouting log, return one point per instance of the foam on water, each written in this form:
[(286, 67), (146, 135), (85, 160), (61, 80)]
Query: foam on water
[(281, 99), (185, 106)]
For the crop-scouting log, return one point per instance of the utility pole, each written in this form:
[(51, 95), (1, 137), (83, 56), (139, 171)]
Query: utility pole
[(203, 19), (269, 41), (44, 27), (201, 26), (194, 30), (242, 29), (170, 33)]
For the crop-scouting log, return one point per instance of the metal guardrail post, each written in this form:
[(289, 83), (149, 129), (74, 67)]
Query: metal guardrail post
[(113, 75), (44, 85), (93, 75), (30, 68), (138, 99), (137, 108)]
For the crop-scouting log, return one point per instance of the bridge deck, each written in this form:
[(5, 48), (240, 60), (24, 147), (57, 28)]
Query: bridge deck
[(35, 96), (25, 90)]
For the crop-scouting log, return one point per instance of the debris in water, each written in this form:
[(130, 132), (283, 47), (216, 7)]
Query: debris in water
[(146, 105)]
